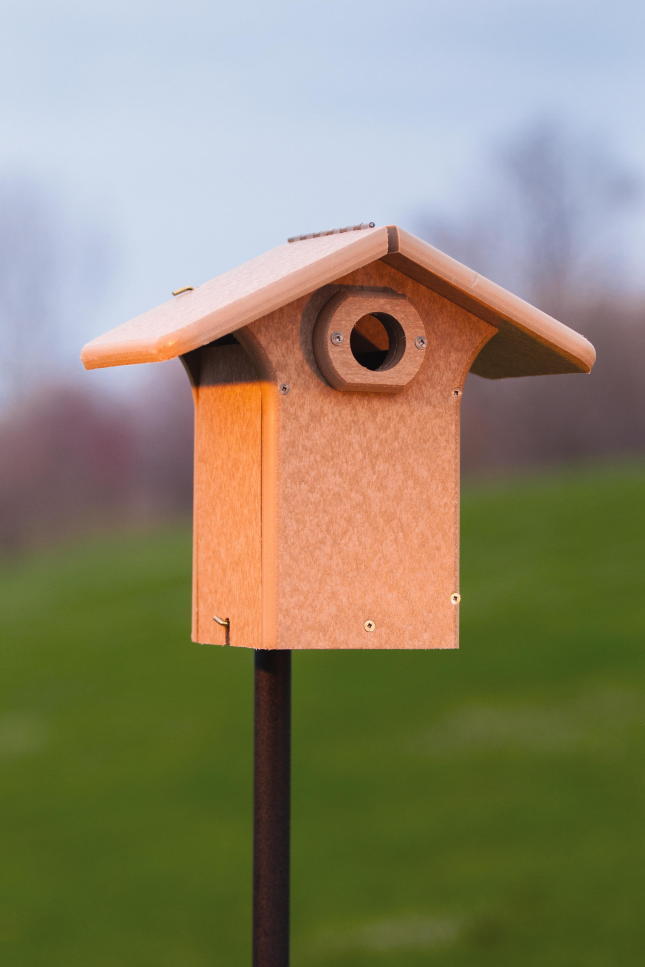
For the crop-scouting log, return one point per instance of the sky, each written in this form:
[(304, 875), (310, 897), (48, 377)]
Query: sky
[(192, 136)]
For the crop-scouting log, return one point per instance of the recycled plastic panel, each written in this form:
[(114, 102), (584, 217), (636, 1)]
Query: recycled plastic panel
[(231, 300), (529, 342), (359, 491), (227, 503), (390, 319)]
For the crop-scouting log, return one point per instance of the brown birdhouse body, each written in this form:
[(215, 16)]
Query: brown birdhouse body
[(327, 378)]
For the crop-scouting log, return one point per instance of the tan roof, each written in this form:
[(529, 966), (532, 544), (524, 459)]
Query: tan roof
[(529, 341)]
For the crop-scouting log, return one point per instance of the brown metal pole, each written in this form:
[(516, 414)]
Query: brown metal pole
[(271, 813)]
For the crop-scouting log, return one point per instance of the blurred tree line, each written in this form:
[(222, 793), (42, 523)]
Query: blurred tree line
[(72, 458), (550, 223)]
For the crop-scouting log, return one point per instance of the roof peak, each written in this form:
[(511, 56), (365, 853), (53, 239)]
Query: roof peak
[(528, 342)]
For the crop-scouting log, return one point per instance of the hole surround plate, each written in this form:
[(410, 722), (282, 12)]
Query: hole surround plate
[(337, 361)]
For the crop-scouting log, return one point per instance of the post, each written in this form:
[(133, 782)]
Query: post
[(271, 813)]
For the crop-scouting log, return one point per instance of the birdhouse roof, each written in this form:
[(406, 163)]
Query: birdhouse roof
[(529, 342)]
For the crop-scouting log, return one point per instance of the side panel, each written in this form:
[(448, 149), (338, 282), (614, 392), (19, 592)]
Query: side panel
[(367, 485), (227, 535)]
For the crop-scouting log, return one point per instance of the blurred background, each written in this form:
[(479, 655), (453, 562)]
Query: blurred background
[(473, 807)]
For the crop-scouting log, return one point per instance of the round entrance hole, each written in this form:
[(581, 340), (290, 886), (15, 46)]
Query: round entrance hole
[(377, 341)]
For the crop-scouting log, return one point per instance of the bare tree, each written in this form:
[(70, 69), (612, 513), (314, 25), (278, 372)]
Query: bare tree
[(72, 458), (29, 271), (550, 220), (570, 198), (49, 266), (554, 227)]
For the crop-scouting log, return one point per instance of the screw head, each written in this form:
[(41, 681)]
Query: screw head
[(369, 625), (336, 338), (456, 393), (284, 388), (421, 342), (455, 598)]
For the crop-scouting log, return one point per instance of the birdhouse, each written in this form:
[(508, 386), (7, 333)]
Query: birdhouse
[(327, 378)]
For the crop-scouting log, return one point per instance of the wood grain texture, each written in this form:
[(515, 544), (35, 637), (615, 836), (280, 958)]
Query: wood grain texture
[(336, 360), (529, 342), (361, 507), (227, 514)]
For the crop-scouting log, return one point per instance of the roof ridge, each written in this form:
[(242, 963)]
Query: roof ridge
[(332, 231)]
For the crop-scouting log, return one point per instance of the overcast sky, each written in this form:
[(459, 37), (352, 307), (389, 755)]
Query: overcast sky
[(197, 134)]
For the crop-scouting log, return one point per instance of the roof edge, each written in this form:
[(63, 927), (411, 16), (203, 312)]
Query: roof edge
[(558, 347), (241, 296)]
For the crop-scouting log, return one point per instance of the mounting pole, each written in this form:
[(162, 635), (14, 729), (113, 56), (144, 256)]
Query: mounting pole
[(271, 808)]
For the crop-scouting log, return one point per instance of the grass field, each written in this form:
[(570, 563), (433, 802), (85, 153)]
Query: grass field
[(481, 807)]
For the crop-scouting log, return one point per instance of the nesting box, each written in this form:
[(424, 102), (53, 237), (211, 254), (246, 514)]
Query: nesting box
[(327, 379)]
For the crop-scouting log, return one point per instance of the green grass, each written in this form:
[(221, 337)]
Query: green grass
[(481, 807)]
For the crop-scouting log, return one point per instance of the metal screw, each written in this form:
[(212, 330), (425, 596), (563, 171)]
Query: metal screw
[(284, 388), (336, 338), (455, 598), (456, 393), (369, 625), (421, 342)]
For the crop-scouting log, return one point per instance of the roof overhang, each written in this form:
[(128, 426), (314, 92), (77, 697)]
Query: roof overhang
[(529, 342)]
